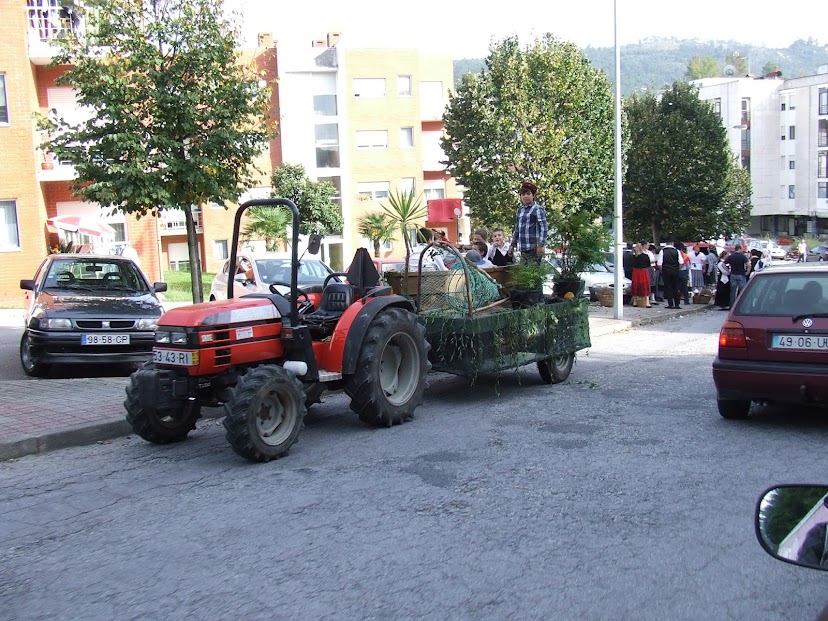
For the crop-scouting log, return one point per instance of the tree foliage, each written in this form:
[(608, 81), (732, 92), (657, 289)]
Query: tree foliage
[(538, 113), (404, 209), (314, 199), (378, 227), (738, 61), (176, 120), (680, 178), (269, 224), (703, 67)]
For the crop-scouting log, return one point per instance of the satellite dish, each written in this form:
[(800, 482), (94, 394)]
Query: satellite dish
[(729, 70)]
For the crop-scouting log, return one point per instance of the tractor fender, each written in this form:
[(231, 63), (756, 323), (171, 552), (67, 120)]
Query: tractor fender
[(360, 324)]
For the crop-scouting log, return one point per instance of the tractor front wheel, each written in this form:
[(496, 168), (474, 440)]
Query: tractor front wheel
[(264, 414), (158, 426), (391, 369)]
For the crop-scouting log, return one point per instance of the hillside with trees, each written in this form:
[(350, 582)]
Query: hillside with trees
[(656, 63)]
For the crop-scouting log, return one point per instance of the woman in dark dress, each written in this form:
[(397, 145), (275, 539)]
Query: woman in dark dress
[(722, 299), (641, 277)]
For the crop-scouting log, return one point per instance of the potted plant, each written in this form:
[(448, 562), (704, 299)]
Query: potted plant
[(580, 242), (527, 282)]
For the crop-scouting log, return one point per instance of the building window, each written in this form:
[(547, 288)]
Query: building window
[(220, 250), (373, 190), (822, 189), (791, 191), (372, 139), (792, 103), (404, 85), (783, 106), (717, 106), (369, 87), (327, 145), (4, 102), (792, 165), (792, 132), (9, 233), (766, 223), (823, 101), (782, 133), (822, 165), (408, 185), (432, 193), (324, 105), (822, 135), (336, 199), (406, 137)]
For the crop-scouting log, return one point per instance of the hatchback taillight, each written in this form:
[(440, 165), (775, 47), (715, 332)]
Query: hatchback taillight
[(732, 334)]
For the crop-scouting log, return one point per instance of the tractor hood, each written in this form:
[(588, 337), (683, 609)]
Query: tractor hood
[(225, 312)]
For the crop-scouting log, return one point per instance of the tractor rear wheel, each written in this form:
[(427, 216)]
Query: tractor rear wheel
[(391, 369), (158, 426), (264, 414)]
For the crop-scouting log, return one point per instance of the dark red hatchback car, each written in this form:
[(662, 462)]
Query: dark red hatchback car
[(773, 347)]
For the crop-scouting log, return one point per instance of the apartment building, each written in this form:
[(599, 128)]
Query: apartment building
[(369, 121), (778, 131)]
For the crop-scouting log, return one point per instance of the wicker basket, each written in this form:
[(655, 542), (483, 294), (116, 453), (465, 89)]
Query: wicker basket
[(606, 296), (702, 298)]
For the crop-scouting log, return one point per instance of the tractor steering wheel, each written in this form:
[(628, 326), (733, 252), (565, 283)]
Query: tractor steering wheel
[(302, 299)]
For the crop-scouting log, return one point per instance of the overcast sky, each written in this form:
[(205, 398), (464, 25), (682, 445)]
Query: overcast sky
[(464, 29)]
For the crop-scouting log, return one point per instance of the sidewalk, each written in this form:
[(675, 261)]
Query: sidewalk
[(39, 415)]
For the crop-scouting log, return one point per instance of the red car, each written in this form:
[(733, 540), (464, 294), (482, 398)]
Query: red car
[(773, 347)]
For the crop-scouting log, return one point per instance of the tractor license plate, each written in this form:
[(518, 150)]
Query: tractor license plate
[(175, 357), (104, 339)]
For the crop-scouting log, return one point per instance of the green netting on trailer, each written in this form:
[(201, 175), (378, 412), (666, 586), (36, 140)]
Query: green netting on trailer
[(503, 339), (460, 290)]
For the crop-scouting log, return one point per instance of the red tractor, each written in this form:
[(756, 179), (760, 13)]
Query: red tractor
[(265, 357)]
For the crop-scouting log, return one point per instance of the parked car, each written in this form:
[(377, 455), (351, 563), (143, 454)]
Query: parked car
[(777, 252), (256, 272), (817, 253), (86, 309), (594, 277), (773, 347)]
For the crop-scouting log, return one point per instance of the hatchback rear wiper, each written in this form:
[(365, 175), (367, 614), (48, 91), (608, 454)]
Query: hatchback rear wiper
[(808, 315)]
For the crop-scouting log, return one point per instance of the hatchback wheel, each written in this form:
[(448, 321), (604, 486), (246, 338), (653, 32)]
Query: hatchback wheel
[(733, 409)]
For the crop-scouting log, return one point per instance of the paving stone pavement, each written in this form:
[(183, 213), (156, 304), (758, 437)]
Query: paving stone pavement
[(38, 415)]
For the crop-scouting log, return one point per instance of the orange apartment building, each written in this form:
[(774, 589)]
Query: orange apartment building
[(382, 139)]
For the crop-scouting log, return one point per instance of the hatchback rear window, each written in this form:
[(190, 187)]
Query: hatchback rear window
[(784, 294)]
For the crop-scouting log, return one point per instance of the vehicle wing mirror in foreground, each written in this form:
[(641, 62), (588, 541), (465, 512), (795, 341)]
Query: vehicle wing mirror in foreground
[(314, 243), (159, 287), (792, 524), (27, 284)]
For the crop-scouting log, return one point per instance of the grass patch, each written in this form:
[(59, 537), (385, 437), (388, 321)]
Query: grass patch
[(180, 288)]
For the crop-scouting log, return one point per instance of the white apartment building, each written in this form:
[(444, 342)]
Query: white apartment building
[(778, 131)]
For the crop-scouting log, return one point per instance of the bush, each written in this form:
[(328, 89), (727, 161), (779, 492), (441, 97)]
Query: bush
[(180, 288)]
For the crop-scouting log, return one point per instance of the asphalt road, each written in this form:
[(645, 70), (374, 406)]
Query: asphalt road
[(619, 494)]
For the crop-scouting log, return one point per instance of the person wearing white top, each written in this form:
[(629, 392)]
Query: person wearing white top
[(433, 257)]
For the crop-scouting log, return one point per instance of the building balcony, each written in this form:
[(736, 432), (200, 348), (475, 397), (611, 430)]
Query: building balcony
[(48, 21), (171, 222)]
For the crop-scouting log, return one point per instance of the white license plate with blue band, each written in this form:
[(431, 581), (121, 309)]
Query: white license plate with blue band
[(800, 341), (104, 339), (174, 357)]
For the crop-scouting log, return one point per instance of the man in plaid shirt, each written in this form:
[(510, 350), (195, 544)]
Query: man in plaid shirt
[(530, 231)]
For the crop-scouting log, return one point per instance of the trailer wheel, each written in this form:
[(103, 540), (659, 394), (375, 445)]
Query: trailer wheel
[(391, 369), (264, 414), (158, 426), (557, 369)]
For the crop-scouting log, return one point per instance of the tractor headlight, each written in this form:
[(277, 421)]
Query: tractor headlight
[(162, 337), (179, 338)]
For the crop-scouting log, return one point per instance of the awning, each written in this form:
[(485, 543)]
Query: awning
[(442, 209), (83, 225)]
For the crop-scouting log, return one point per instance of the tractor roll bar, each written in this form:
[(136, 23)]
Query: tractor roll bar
[(294, 262)]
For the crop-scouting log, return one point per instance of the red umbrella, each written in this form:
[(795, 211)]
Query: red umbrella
[(82, 224)]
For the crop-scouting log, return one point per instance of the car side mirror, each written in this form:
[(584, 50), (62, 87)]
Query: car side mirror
[(792, 524), (27, 284), (314, 243), (159, 287)]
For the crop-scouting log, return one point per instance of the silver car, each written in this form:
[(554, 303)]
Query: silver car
[(594, 277), (255, 273)]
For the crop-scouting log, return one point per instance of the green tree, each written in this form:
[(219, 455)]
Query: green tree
[(541, 113), (734, 216), (678, 168), (318, 213), (267, 223), (703, 67), (738, 61), (377, 227), (404, 209), (176, 120)]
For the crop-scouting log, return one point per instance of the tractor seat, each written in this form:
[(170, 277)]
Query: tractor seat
[(337, 297)]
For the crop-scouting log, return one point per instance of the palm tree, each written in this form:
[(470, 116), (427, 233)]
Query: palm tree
[(403, 209), (377, 227), (267, 223)]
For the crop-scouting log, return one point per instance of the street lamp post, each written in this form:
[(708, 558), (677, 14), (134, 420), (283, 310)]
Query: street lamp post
[(618, 298), (457, 213)]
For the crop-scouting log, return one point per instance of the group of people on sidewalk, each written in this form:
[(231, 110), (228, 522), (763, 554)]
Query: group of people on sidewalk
[(673, 272)]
